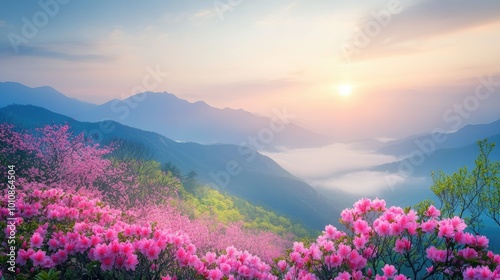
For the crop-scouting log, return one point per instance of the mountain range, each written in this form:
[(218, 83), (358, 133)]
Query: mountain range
[(249, 175), (174, 118), (227, 158)]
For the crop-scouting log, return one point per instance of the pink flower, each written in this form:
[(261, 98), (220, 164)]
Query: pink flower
[(389, 270), (469, 274), (437, 255), (127, 248), (402, 245), (215, 274), (400, 277), (334, 260), (110, 234), (347, 216), (396, 228), (468, 253), (383, 228), (115, 248), (24, 256), (362, 206), (446, 229), (360, 241), (38, 258), (482, 241), (282, 265), (226, 268), (428, 226), (36, 241), (107, 263), (315, 252), (152, 252), (210, 257), (343, 276), (131, 262), (361, 227), (101, 251), (432, 212), (331, 232), (83, 244), (378, 205), (344, 250)]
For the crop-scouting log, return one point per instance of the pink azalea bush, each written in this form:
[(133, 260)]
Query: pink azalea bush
[(392, 243), (210, 235), (82, 236)]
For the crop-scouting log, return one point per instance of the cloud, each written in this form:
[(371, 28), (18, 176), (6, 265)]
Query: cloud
[(54, 54), (327, 162), (341, 167), (203, 14), (361, 182), (3, 23), (424, 20)]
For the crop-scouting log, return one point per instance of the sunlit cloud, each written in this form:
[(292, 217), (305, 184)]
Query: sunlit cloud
[(67, 55), (404, 32), (203, 14)]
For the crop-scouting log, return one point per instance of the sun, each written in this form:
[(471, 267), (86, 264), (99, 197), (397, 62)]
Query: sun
[(345, 90)]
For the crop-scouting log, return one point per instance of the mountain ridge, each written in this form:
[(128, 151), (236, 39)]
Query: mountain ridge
[(173, 117), (260, 180)]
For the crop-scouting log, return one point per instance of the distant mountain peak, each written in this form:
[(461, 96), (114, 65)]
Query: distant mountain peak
[(169, 115)]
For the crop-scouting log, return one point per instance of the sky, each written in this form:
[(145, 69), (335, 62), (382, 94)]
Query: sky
[(406, 66)]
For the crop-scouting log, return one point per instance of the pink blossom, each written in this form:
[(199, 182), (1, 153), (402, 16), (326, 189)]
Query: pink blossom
[(389, 270), (215, 274), (383, 228), (36, 240), (361, 227), (282, 265), (38, 258), (360, 241), (401, 277), (481, 241), (343, 276), (402, 245), (131, 262), (428, 226), (432, 212), (468, 253)]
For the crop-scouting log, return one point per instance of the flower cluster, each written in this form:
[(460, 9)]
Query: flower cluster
[(69, 227), (392, 243)]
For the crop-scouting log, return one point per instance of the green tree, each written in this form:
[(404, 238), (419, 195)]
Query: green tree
[(471, 194)]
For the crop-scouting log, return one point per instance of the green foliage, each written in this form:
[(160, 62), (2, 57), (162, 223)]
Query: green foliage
[(225, 208), (196, 200), (471, 194), (51, 275), (422, 206)]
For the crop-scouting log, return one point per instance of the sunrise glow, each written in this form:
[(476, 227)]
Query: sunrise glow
[(345, 90)]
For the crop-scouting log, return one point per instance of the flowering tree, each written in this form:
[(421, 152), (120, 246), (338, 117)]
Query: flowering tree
[(54, 156)]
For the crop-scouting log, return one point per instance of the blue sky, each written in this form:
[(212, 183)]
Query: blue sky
[(409, 70)]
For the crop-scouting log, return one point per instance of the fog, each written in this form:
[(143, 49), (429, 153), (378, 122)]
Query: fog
[(339, 166)]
